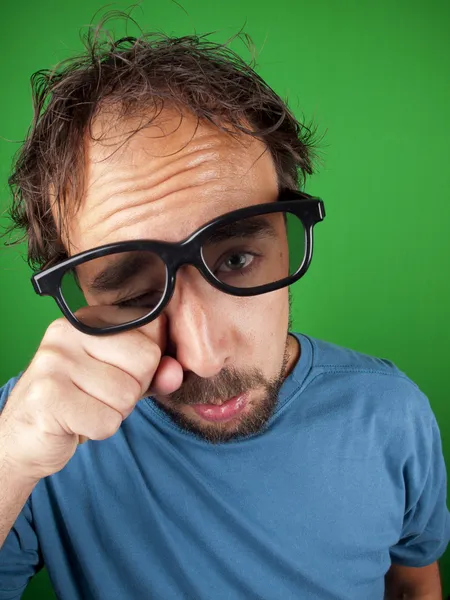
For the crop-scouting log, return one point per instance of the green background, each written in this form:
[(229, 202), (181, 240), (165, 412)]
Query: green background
[(375, 77)]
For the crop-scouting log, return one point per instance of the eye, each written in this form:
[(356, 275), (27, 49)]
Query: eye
[(237, 261), (148, 300)]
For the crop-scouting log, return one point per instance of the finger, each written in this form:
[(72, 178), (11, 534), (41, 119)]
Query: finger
[(136, 352), (107, 384), (168, 377), (87, 417)]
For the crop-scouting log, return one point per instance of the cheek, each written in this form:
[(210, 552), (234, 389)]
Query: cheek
[(264, 326), (263, 317)]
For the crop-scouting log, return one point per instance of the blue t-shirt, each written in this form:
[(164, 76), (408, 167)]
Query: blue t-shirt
[(347, 477)]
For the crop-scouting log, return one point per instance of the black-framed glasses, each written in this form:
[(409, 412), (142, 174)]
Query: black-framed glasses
[(246, 252)]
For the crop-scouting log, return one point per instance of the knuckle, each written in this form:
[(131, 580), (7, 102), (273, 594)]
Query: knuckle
[(41, 390), (151, 351), (151, 357), (109, 426), (47, 359), (57, 328), (130, 394), (142, 370)]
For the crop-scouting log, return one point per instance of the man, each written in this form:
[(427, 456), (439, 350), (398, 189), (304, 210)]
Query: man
[(172, 438)]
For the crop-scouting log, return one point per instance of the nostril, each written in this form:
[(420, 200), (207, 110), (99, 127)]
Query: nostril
[(170, 349)]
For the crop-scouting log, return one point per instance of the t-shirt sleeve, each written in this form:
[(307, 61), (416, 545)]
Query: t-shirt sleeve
[(426, 524), (20, 557)]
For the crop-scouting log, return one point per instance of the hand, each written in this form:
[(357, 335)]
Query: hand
[(79, 386)]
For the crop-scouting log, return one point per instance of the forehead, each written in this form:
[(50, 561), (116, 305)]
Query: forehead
[(166, 180)]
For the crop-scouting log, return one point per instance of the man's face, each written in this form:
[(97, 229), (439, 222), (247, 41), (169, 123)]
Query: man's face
[(164, 183)]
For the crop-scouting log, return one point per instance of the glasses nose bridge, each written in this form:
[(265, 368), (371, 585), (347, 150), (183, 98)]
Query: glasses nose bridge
[(184, 253)]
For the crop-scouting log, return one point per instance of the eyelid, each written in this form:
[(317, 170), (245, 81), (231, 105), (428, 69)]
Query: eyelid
[(138, 295), (220, 260)]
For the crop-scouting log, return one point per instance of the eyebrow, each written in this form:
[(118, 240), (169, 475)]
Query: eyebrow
[(249, 227), (116, 275)]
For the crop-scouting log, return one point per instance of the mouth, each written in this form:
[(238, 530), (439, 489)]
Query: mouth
[(224, 412)]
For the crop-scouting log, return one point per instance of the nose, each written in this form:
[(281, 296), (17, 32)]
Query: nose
[(197, 333)]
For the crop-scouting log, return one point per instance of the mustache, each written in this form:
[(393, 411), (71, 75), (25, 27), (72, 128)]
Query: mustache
[(215, 390)]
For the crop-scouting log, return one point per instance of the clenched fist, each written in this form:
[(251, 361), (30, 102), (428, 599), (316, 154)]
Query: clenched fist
[(79, 386)]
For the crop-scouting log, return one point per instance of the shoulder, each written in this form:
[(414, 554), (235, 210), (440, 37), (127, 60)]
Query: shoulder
[(365, 379), (329, 356)]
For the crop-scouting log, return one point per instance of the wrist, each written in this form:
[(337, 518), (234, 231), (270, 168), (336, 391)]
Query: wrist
[(15, 475), (12, 471)]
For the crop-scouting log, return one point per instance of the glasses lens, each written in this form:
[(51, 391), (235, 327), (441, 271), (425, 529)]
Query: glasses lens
[(115, 289), (256, 251)]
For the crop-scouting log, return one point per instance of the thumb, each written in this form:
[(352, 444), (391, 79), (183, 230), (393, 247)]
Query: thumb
[(168, 377)]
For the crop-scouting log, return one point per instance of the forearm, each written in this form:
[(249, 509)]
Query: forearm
[(413, 583), (14, 492), (396, 593), (431, 596), (413, 596)]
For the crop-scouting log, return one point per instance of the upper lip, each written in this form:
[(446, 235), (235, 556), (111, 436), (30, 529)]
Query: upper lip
[(216, 402)]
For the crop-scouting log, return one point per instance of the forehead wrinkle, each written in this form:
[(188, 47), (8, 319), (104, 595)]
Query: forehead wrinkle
[(109, 202), (129, 218), (205, 177), (115, 182), (203, 162), (136, 194), (161, 166), (206, 144)]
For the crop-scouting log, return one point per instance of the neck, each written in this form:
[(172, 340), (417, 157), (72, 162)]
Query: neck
[(293, 352)]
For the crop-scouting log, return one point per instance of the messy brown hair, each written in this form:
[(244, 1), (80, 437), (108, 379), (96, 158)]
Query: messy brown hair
[(138, 75)]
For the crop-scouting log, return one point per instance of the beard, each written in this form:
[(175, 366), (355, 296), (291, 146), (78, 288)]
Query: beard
[(228, 383)]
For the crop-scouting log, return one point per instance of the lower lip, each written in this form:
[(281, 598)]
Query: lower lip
[(229, 409)]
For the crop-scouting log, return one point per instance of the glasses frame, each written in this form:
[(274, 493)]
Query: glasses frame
[(309, 209)]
